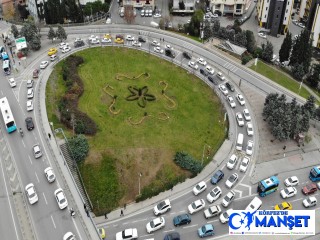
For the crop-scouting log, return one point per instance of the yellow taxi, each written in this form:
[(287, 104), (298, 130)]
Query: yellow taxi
[(107, 36), (119, 40), (52, 51), (102, 233), (283, 206)]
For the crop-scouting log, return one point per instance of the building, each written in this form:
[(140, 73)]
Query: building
[(139, 3), (234, 7), (183, 6), (274, 16), (310, 15)]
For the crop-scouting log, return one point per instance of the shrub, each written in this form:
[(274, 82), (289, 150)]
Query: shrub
[(187, 162), (257, 52), (245, 59), (79, 147)]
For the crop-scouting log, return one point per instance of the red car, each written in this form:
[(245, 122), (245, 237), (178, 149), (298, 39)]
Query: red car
[(309, 189), (35, 73)]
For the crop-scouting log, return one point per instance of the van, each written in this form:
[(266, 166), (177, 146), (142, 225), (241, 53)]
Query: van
[(254, 205), (239, 141)]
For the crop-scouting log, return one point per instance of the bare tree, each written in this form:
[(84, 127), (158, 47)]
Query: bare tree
[(129, 13)]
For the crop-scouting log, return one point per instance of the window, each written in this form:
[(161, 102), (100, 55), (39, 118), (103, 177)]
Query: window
[(286, 10), (278, 8), (285, 18), (277, 16), (266, 8), (265, 16)]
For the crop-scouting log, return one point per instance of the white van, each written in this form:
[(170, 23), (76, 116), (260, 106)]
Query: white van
[(254, 205), (239, 141)]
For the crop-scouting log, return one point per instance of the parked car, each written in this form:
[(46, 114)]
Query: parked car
[(203, 72), (196, 206), (162, 207), (181, 220), (291, 181), (223, 89), (217, 177), (249, 149), (170, 53), (212, 211), (210, 70), (288, 192), (231, 102), (141, 39), (214, 194), (232, 161), (310, 188), (231, 181), (213, 80), (283, 206), (199, 188), (240, 99), (172, 236), (136, 44), (244, 164), (309, 202), (158, 50), (206, 230), (249, 129), (230, 86), (224, 217), (155, 224), (127, 234), (228, 198), (193, 65), (187, 55), (201, 61), (240, 119), (246, 114)]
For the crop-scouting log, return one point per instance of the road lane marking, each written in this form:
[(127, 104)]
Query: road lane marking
[(148, 235), (23, 144), (44, 196), (37, 177), (213, 221), (171, 230), (251, 170), (140, 220), (191, 226), (30, 159), (240, 192), (53, 222)]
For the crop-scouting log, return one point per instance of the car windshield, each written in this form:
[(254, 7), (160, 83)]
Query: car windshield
[(225, 215), (203, 229), (290, 180), (161, 205), (249, 147), (232, 178), (287, 191), (32, 194), (309, 200), (194, 206), (227, 198), (244, 164)]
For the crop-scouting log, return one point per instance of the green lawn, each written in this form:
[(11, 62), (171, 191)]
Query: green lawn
[(185, 118)]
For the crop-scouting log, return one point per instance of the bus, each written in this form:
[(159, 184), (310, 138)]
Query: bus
[(6, 67), (7, 115), (267, 186), (4, 56), (315, 174)]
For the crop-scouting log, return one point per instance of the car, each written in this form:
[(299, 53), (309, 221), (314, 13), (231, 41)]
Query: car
[(170, 53), (291, 181), (206, 230), (155, 224), (61, 198), (119, 40), (93, 37), (309, 202), (217, 177), (141, 39), (240, 99), (244, 164), (30, 93), (48, 172), (52, 51), (193, 65), (53, 57), (79, 43), (29, 123), (12, 82), (172, 236), (158, 50), (232, 103), (106, 40), (231, 181), (94, 41), (66, 49), (168, 46), (44, 64), (246, 114), (240, 119), (102, 233), (36, 151), (201, 61), (214, 194), (230, 86), (107, 36), (199, 188), (232, 161), (136, 44), (224, 217), (29, 105), (301, 25), (210, 70), (283, 206), (31, 193), (262, 35), (181, 219), (63, 45), (288, 192), (35, 73), (196, 206), (162, 207), (157, 15), (228, 198), (69, 236), (318, 185), (212, 211), (213, 80), (249, 129), (127, 234), (223, 89), (295, 21), (215, 16), (129, 38), (187, 55), (249, 149), (29, 83), (203, 72), (220, 76), (155, 43), (310, 188)]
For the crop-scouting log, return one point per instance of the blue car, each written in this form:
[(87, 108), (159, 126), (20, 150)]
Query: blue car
[(181, 220), (217, 177), (206, 230)]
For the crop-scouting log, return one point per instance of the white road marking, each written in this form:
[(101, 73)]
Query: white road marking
[(37, 177), (148, 235), (213, 221), (30, 159), (247, 186), (191, 226), (53, 222), (140, 220), (23, 143), (169, 230), (251, 170), (44, 196), (240, 192)]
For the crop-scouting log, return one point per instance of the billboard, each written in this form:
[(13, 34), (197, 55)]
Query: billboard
[(21, 43)]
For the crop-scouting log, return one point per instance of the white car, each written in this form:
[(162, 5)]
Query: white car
[(155, 43), (127, 234), (44, 64), (29, 83), (246, 114), (31, 193), (241, 99), (69, 236), (168, 46), (61, 198), (129, 38), (106, 40), (12, 82), (66, 49), (201, 61), (212, 211), (224, 217), (244, 164), (291, 181), (162, 207), (29, 105), (94, 41), (262, 34), (223, 89), (136, 44), (193, 65), (231, 181), (288, 192), (232, 161), (37, 151), (228, 198), (196, 206), (240, 119), (158, 50), (157, 15), (210, 70), (309, 202), (30, 93), (232, 103), (214, 194), (63, 45), (249, 149), (220, 76), (53, 57), (155, 224), (48, 172), (249, 129), (91, 37), (199, 188)]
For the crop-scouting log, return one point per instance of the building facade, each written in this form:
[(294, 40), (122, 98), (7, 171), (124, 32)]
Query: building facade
[(139, 3), (189, 6), (234, 7)]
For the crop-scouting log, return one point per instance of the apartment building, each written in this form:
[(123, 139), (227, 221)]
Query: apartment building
[(139, 3), (234, 7), (274, 16), (183, 6)]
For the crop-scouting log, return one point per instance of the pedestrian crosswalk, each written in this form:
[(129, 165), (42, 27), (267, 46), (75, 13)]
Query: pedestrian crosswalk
[(230, 67), (144, 33)]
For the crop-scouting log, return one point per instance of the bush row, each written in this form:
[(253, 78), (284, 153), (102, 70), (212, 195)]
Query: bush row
[(187, 162)]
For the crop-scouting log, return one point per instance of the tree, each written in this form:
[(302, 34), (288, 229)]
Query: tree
[(14, 31), (61, 33), (222, 32), (267, 51), (310, 106), (251, 42), (236, 26), (194, 25), (298, 71), (216, 27), (314, 78), (241, 38), (129, 13), (35, 43), (51, 34), (207, 32), (285, 49), (79, 147)]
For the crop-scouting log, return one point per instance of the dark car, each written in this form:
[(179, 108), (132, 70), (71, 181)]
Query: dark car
[(309, 189), (181, 220), (29, 123), (230, 87), (218, 12), (214, 81), (170, 53), (217, 177), (141, 39), (35, 73), (172, 236), (79, 43), (203, 72), (187, 55)]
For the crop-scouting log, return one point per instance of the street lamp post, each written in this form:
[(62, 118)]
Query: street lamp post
[(140, 175), (203, 152)]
